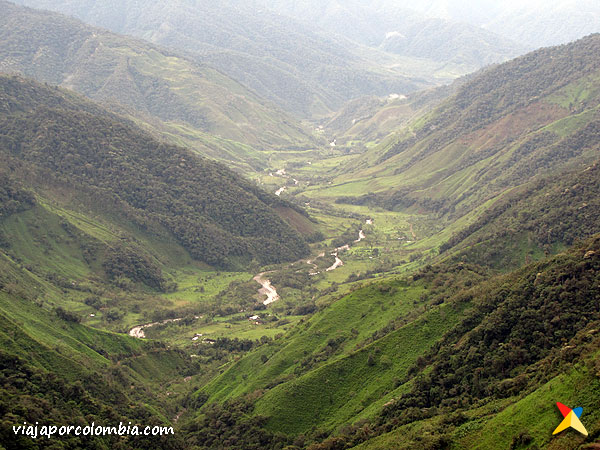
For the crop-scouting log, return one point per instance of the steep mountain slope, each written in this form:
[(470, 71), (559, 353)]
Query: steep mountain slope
[(50, 134), (523, 330), (369, 119), (537, 114), (358, 348), (55, 370), (103, 226), (178, 99), (302, 70), (445, 357)]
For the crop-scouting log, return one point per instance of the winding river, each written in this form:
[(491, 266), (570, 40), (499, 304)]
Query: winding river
[(266, 288), (138, 331)]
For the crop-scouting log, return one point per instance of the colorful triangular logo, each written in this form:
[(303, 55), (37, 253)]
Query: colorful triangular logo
[(571, 419)]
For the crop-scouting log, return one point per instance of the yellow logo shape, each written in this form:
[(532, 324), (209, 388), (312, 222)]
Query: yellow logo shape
[(571, 419)]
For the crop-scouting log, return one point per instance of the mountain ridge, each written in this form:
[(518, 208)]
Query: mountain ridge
[(173, 97), (305, 72)]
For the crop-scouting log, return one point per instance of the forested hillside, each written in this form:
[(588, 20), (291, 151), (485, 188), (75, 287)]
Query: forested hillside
[(426, 274), (179, 100), (49, 134), (55, 370), (498, 318), (459, 351)]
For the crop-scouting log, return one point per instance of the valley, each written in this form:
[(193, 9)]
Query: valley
[(333, 246)]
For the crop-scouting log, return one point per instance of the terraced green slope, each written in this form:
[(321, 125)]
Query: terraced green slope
[(535, 221), (175, 98)]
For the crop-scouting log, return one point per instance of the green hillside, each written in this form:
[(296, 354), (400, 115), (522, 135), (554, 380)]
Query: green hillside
[(531, 116), (537, 220), (459, 349), (91, 242), (454, 361), (56, 371), (177, 99), (427, 280), (369, 120)]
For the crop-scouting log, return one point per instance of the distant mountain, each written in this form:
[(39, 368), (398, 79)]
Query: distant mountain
[(534, 23), (176, 98), (535, 115), (50, 137), (304, 70), (459, 47)]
